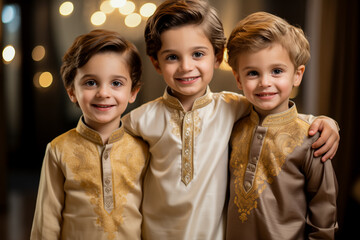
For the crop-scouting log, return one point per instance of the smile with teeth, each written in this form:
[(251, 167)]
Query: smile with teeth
[(265, 94), (187, 79), (102, 106)]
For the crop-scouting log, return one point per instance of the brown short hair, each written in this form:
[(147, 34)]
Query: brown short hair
[(259, 30), (175, 13), (87, 45)]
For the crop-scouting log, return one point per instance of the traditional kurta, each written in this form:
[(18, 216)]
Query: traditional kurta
[(91, 190), (278, 189), (185, 185)]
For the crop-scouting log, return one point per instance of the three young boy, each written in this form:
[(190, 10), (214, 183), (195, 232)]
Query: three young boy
[(188, 130)]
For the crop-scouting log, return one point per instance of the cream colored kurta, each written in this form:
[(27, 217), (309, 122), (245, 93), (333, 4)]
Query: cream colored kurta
[(89, 190), (185, 185), (278, 189)]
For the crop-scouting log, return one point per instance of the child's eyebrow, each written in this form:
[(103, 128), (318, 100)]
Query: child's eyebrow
[(95, 76), (166, 51)]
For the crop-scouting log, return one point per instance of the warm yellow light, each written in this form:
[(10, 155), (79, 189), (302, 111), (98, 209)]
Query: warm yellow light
[(38, 53), (36, 79), (224, 65), (98, 18), (8, 53), (147, 9), (66, 8), (133, 20), (106, 7), (128, 8), (117, 3), (45, 79)]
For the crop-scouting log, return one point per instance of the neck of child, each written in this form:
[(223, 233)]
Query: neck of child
[(187, 101), (187, 105), (105, 130)]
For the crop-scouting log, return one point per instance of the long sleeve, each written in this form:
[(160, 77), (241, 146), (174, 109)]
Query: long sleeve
[(322, 191), (50, 199)]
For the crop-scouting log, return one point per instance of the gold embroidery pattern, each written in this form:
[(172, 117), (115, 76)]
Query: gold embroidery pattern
[(279, 142), (176, 121), (127, 160), (188, 125), (187, 149)]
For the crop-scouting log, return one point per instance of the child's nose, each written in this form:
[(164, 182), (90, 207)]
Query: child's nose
[(103, 91), (265, 81), (187, 64)]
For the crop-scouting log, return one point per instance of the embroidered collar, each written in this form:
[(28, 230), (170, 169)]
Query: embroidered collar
[(173, 102), (95, 137), (278, 118)]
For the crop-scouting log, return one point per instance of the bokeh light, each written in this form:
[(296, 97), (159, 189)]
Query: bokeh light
[(8, 53), (147, 9), (98, 18), (133, 20), (106, 7), (66, 8), (117, 3), (38, 53), (8, 14), (128, 8), (45, 79)]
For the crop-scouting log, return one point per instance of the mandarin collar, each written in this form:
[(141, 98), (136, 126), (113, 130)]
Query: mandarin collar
[(95, 137), (276, 119), (200, 102)]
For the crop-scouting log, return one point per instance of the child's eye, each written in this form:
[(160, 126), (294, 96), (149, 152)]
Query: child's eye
[(90, 83), (198, 54), (252, 73), (117, 83), (171, 58), (277, 71)]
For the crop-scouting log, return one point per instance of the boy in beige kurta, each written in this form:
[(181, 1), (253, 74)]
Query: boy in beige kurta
[(91, 178)]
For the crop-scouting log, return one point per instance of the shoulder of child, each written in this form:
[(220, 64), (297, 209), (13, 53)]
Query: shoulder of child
[(66, 137)]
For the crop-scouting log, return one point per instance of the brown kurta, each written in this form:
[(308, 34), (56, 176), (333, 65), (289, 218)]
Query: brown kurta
[(89, 190), (278, 190)]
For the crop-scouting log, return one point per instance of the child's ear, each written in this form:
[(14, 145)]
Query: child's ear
[(218, 59), (156, 64), (299, 75), (237, 77), (71, 94), (134, 93)]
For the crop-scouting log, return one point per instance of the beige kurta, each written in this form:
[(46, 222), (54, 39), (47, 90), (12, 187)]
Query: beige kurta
[(89, 190), (185, 185), (278, 190)]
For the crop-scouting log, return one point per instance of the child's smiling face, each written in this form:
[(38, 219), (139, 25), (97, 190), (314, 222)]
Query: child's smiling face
[(267, 78), (102, 88), (186, 61)]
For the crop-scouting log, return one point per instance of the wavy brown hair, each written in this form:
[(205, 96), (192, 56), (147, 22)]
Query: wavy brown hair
[(97, 41)]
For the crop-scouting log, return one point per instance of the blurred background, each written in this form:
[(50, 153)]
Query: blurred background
[(34, 107)]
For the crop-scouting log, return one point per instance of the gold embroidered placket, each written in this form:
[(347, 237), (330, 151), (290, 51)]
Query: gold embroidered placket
[(187, 148), (107, 180)]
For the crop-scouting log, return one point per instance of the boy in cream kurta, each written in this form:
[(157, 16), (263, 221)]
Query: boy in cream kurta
[(91, 179), (278, 189), (188, 128)]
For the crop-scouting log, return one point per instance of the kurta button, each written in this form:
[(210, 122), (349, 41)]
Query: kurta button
[(260, 136), (247, 185), (251, 167)]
